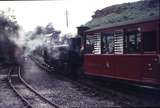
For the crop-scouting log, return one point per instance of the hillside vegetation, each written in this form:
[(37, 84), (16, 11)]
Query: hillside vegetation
[(124, 12)]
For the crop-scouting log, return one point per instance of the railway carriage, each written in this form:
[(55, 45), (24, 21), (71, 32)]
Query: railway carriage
[(127, 50)]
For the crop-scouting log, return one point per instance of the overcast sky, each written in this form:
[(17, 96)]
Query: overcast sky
[(32, 13)]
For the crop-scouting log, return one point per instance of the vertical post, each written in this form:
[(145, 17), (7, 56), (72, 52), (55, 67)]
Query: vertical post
[(158, 37), (67, 18), (102, 43)]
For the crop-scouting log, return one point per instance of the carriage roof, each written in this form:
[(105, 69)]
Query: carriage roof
[(135, 21)]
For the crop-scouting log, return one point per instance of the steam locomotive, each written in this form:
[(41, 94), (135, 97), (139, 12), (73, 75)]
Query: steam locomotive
[(127, 51), (65, 58)]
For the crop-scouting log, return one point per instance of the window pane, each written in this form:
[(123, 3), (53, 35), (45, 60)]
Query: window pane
[(89, 45), (118, 42), (93, 44), (132, 41), (108, 44), (149, 41), (138, 46)]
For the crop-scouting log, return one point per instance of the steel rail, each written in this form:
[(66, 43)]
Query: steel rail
[(42, 65), (35, 91), (16, 91), (29, 105), (38, 61)]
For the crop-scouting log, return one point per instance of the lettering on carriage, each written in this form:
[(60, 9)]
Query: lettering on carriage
[(149, 67)]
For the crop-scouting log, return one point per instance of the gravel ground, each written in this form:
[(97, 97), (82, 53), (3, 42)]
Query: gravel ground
[(61, 91), (3, 71), (68, 94), (8, 99)]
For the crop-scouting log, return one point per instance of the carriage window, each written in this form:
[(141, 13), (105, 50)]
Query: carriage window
[(93, 44), (118, 42), (149, 39), (108, 43), (132, 42), (89, 45)]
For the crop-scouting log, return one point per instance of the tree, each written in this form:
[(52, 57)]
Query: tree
[(8, 29), (8, 23)]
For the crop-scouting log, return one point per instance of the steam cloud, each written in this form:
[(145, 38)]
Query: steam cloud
[(39, 39)]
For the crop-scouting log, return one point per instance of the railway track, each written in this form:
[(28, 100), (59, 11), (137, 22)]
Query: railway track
[(43, 65), (30, 97), (3, 66), (124, 92), (84, 86)]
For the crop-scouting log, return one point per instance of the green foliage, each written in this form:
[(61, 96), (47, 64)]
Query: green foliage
[(8, 23), (124, 12), (8, 29)]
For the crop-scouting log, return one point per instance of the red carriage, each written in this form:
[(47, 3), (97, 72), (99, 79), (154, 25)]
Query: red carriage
[(127, 50)]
